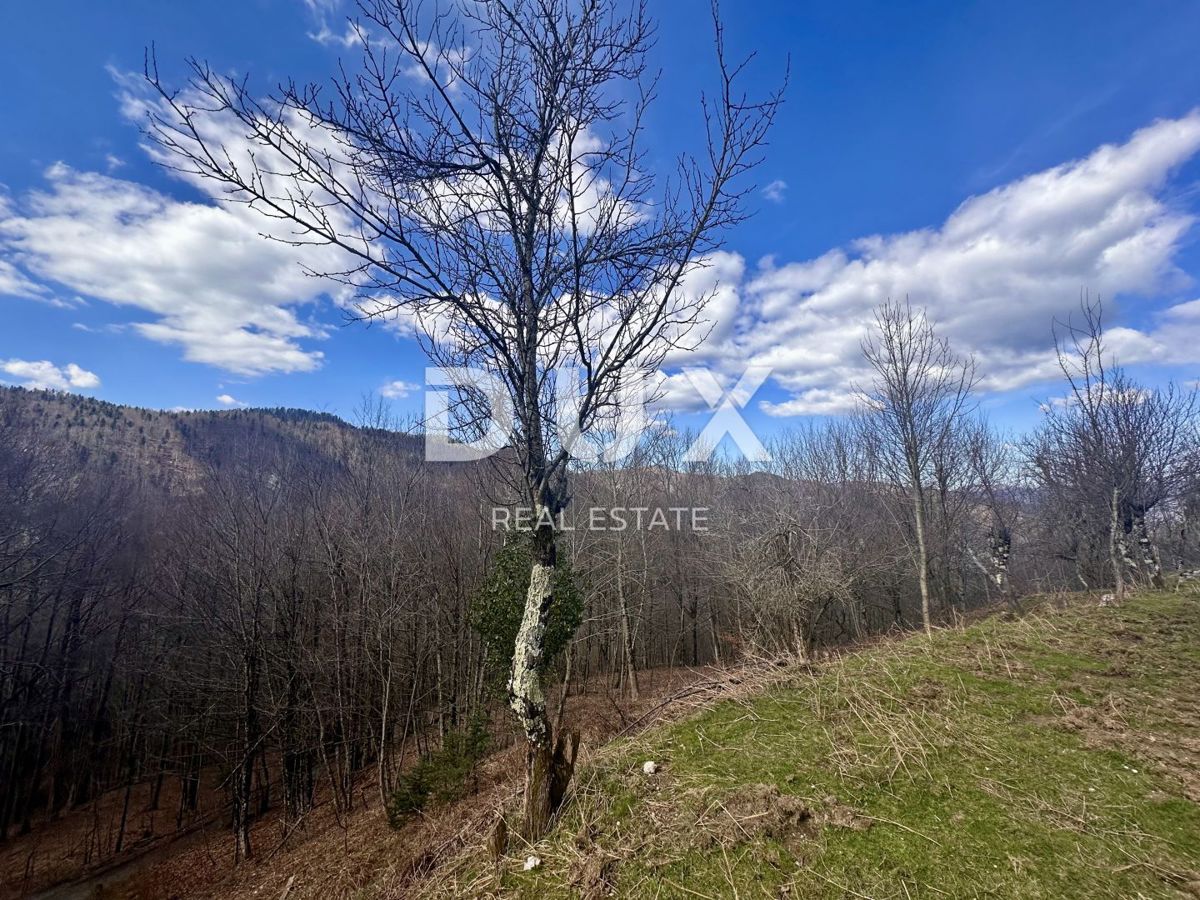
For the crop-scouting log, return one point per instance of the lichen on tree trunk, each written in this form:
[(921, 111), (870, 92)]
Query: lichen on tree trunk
[(1150, 558), (550, 763), (526, 696)]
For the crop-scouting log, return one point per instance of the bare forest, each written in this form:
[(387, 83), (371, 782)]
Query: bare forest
[(249, 625), (244, 611)]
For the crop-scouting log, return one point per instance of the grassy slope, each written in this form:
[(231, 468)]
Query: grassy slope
[(1051, 756)]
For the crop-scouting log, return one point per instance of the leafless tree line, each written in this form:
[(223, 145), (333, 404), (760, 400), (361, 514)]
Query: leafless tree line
[(291, 620), (296, 621)]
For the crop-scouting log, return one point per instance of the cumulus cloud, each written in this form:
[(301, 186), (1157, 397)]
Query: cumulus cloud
[(203, 272), (993, 276), (398, 390), (229, 400), (45, 375)]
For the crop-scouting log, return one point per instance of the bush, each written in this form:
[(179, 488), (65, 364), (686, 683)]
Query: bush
[(441, 776)]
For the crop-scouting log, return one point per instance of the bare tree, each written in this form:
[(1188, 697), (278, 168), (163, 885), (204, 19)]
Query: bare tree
[(919, 395), (1112, 451), (994, 474), (482, 174)]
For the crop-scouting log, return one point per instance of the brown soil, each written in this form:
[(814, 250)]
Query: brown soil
[(592, 875), (761, 810), (82, 841)]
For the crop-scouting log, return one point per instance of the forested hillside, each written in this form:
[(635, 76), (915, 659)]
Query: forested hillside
[(218, 619), (800, 498)]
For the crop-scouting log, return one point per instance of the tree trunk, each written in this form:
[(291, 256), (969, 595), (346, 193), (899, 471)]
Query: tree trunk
[(1150, 558), (549, 768), (549, 765), (1001, 547), (918, 499), (1114, 546), (243, 778), (631, 683)]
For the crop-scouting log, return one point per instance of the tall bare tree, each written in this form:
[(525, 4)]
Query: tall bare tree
[(481, 173), (919, 395)]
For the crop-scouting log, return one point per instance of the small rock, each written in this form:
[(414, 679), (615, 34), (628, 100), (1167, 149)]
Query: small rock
[(532, 863), (649, 767)]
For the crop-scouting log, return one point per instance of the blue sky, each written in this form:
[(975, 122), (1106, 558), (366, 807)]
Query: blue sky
[(897, 116)]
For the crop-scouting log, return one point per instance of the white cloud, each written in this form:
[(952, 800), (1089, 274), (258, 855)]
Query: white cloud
[(717, 278), (209, 280), (15, 283), (202, 271), (322, 7), (398, 390), (229, 400), (993, 276), (46, 375), (82, 378), (351, 36), (322, 13), (775, 191)]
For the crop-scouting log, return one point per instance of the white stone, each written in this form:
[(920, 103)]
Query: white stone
[(649, 767), (532, 863)]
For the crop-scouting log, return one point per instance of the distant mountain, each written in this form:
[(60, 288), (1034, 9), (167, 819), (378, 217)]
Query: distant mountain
[(168, 451)]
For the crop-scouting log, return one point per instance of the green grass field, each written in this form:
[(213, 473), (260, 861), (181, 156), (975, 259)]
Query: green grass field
[(1052, 755)]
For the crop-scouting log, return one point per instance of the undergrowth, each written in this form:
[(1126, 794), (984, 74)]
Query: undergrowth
[(440, 776)]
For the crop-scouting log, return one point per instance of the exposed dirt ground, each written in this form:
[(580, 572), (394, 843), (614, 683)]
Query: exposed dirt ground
[(82, 840)]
